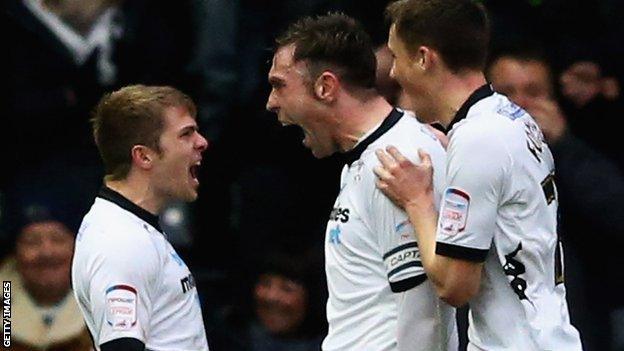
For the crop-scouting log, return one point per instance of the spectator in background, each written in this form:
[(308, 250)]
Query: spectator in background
[(581, 82), (45, 315), (590, 187), (287, 312), (60, 62), (592, 100)]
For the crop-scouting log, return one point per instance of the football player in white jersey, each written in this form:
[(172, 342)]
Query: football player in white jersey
[(494, 243), (322, 78), (134, 291)]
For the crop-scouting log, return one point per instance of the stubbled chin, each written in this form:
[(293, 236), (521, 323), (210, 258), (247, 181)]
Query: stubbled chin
[(193, 194)]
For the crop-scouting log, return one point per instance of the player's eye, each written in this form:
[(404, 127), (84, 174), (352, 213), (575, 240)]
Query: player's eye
[(276, 84), (187, 132)]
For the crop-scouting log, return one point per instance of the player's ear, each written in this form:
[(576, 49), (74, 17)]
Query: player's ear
[(423, 57), (142, 156), (326, 86)]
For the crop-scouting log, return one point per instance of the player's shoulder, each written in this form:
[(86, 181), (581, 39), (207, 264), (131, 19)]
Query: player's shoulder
[(110, 230), (107, 218), (490, 124), (499, 115), (408, 135), (410, 132)]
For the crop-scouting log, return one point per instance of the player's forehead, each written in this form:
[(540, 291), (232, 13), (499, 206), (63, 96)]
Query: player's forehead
[(284, 65), (396, 44), (178, 118), (392, 38), (516, 69)]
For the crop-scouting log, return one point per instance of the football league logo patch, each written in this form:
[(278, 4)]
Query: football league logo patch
[(511, 110), (404, 230), (121, 307), (454, 211)]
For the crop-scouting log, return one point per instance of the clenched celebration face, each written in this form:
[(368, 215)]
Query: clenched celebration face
[(293, 100)]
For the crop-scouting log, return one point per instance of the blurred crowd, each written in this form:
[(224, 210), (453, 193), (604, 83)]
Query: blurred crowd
[(254, 238)]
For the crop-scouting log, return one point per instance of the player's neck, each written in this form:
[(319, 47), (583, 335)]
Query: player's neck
[(138, 193), (358, 118), (453, 91)]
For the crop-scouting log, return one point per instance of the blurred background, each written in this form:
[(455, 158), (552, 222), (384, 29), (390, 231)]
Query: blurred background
[(254, 239)]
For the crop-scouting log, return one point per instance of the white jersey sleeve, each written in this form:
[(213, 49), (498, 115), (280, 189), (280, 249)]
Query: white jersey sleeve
[(119, 291), (476, 171)]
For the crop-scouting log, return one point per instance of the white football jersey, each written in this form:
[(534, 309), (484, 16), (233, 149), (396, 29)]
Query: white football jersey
[(379, 296), (500, 207), (129, 281)]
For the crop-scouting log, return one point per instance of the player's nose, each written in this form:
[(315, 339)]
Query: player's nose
[(392, 69), (271, 104), (202, 143)]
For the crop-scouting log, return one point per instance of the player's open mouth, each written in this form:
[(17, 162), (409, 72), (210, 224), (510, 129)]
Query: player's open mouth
[(194, 171), (306, 136)]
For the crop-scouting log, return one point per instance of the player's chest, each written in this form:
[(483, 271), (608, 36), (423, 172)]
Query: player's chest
[(177, 282), (347, 228)]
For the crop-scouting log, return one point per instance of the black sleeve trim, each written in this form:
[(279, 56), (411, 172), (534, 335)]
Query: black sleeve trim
[(408, 283), (123, 344), (461, 252), (404, 267), (409, 245)]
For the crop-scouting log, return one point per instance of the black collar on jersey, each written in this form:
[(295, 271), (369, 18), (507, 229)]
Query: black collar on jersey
[(393, 117), (111, 195), (481, 93)]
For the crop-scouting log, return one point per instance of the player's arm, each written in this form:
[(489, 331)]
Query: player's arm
[(395, 235), (454, 270), (119, 289), (456, 280), (123, 344)]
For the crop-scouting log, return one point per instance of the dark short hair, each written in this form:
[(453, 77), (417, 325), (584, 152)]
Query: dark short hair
[(521, 51), (458, 29), (133, 115), (333, 42)]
